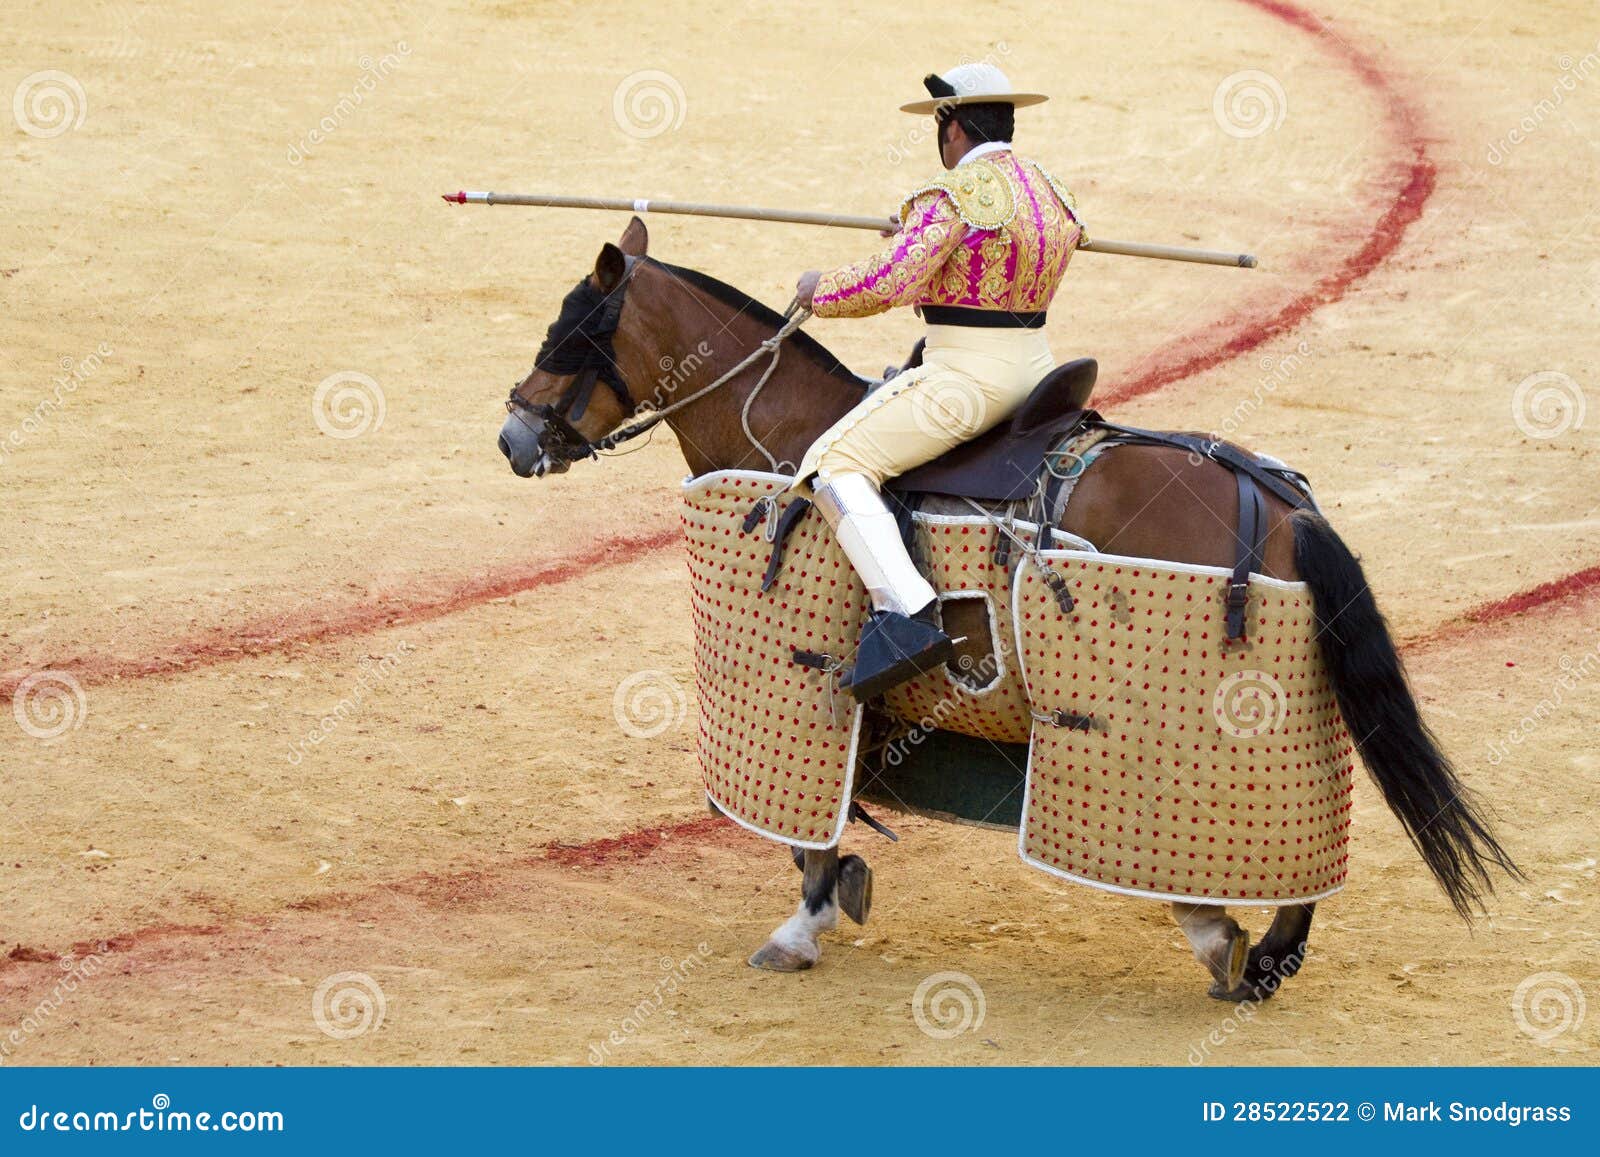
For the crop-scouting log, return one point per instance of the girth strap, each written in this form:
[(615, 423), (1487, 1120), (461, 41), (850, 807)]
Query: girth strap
[(1252, 477), (1252, 537)]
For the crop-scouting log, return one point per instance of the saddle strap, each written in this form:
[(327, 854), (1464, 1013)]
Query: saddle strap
[(1251, 538), (1220, 452)]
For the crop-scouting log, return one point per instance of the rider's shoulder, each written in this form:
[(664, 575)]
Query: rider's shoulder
[(981, 191), (1050, 178)]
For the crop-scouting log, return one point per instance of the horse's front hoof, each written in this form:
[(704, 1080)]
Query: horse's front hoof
[(1236, 995), (775, 957)]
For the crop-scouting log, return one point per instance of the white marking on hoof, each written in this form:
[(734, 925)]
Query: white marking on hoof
[(775, 957), (793, 947), (1219, 943)]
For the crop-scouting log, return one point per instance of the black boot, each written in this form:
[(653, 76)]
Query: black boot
[(895, 648)]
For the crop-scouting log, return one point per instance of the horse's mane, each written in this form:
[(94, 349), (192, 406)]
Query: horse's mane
[(800, 341)]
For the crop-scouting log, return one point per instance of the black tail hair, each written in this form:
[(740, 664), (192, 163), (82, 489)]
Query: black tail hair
[(1416, 778)]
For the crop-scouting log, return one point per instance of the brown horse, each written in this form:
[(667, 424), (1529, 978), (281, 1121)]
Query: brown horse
[(634, 320)]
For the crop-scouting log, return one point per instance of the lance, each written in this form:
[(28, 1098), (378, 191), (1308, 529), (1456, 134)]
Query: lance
[(804, 217)]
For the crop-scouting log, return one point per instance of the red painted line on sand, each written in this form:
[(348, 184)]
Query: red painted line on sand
[(1412, 178), (323, 622), (1572, 589), (24, 966)]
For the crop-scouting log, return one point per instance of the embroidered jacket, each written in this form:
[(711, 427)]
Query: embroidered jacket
[(993, 233)]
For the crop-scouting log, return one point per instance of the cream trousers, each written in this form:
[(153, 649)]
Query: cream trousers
[(970, 380)]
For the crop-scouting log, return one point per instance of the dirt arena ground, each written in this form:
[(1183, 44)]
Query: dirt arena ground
[(212, 209)]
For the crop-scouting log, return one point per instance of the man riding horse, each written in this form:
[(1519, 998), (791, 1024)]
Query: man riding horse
[(980, 251)]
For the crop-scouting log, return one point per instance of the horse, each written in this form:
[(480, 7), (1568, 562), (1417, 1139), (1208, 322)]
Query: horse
[(635, 319)]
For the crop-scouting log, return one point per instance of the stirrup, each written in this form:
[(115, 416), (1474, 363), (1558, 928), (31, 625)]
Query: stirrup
[(893, 649)]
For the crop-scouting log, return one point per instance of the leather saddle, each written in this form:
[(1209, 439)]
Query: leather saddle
[(1003, 465)]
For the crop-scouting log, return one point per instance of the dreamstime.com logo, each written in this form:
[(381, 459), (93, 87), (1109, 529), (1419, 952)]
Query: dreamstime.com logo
[(941, 409), (648, 703), (1249, 703), (649, 103), (349, 1004), (1548, 1005), (1249, 103), (348, 404), (1548, 404), (49, 103), (48, 704), (947, 1004)]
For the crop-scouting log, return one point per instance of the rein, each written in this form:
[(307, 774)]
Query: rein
[(598, 362)]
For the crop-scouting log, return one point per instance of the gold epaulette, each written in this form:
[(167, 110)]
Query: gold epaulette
[(1067, 199), (983, 194)]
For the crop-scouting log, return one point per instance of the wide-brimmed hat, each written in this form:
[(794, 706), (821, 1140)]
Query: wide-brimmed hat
[(979, 83)]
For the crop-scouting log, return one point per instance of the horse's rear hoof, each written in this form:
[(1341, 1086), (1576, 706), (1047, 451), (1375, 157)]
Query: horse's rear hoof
[(775, 957), (855, 888)]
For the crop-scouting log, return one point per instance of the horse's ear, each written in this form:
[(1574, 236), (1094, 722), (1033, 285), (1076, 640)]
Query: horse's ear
[(609, 268), (635, 239)]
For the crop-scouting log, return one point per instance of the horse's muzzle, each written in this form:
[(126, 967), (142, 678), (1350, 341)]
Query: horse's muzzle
[(522, 442)]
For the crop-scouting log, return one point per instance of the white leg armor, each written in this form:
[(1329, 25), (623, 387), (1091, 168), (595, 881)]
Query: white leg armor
[(871, 541)]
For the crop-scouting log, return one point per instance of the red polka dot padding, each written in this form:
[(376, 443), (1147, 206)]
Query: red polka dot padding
[(777, 746), (960, 557), (1211, 772)]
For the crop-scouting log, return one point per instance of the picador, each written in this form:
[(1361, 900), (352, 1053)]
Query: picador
[(979, 254)]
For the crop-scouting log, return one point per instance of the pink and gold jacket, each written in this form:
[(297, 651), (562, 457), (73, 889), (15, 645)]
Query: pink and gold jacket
[(995, 232)]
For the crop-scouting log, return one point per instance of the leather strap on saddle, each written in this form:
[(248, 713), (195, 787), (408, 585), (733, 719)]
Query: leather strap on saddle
[(795, 511), (1222, 452), (1251, 536)]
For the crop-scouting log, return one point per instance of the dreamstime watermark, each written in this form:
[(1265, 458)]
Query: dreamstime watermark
[(1275, 372), (940, 408), (372, 72), (648, 703), (1547, 404), (914, 144), (947, 1004), (648, 103), (75, 970), (348, 404), (1249, 703), (675, 372), (48, 704), (349, 1004), (974, 675), (1573, 74), (372, 674), (1574, 673), (49, 103), (1275, 972), (1249, 103), (74, 373), (674, 974), (1548, 1005)]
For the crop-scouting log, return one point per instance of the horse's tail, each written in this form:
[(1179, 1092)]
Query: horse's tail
[(1416, 778)]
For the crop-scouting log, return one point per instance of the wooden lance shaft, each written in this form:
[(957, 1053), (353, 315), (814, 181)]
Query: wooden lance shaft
[(804, 217)]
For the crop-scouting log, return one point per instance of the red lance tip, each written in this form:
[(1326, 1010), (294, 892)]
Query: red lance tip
[(456, 198)]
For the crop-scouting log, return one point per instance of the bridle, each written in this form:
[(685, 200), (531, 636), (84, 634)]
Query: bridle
[(595, 360), (588, 355)]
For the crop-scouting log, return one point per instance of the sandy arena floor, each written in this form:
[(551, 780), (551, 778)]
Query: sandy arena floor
[(194, 862)]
